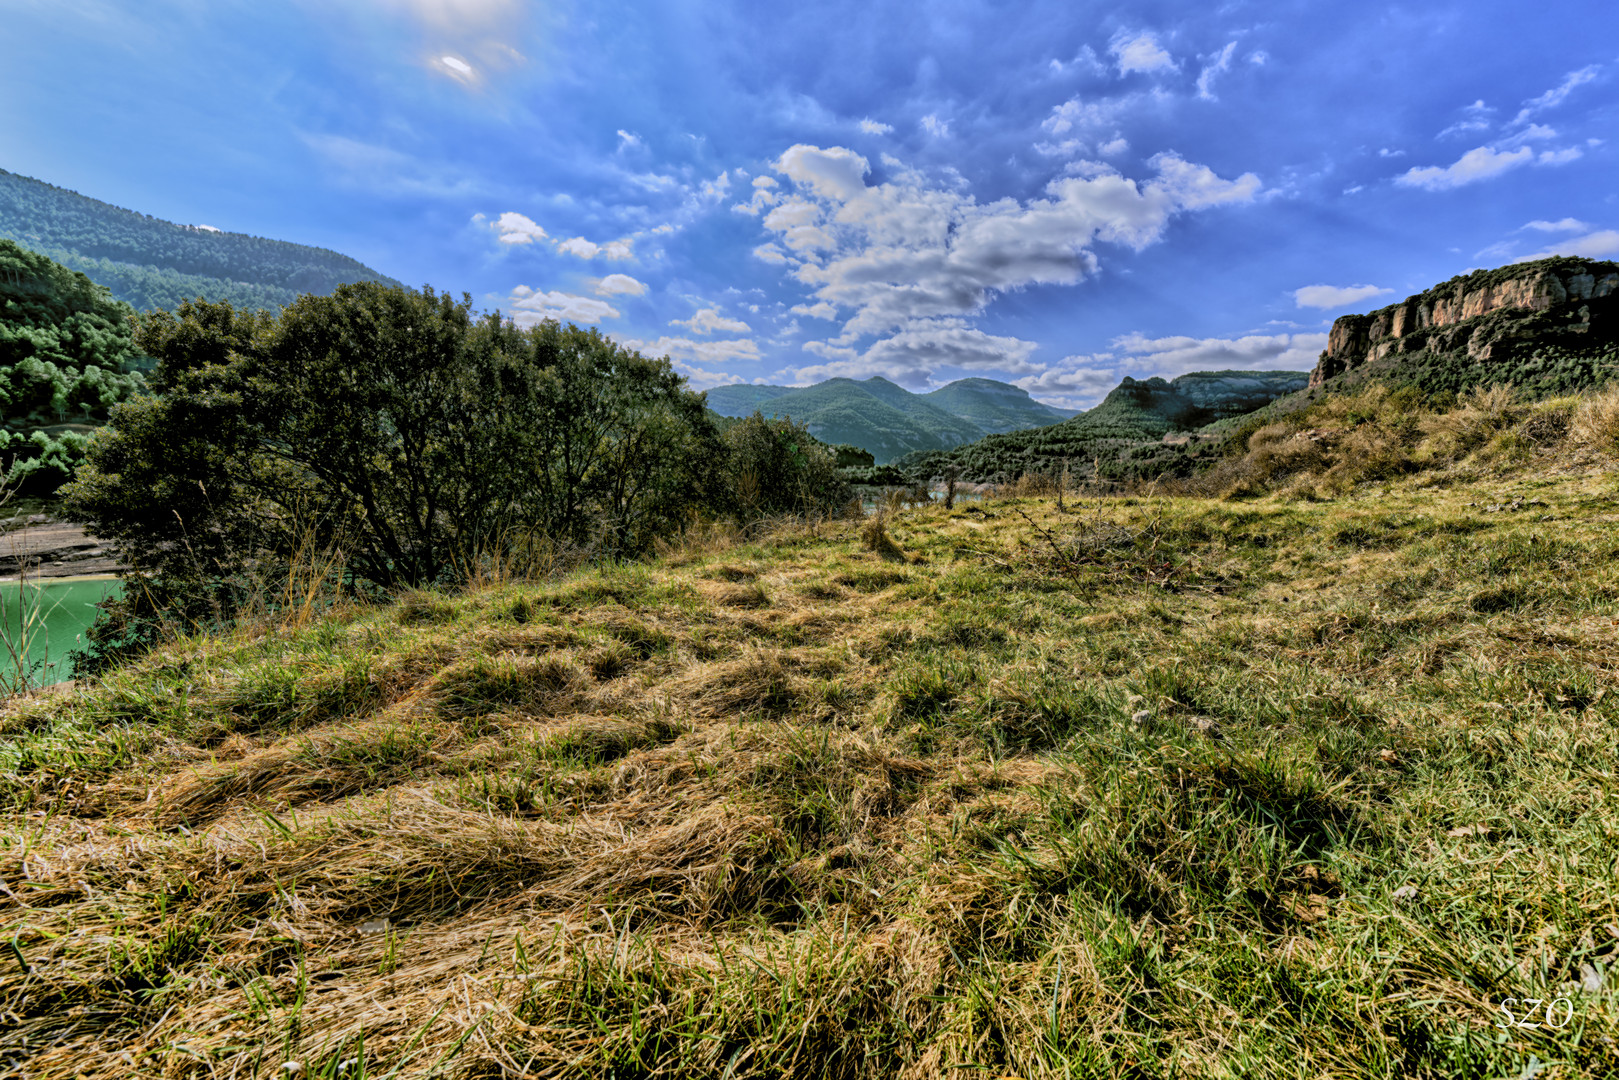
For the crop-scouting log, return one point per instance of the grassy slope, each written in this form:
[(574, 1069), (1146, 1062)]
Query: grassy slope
[(1208, 789)]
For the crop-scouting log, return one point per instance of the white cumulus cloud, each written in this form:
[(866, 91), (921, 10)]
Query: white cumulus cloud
[(835, 173), (514, 228), (618, 285), (612, 250), (909, 260), (875, 127), (914, 355), (822, 310), (1331, 296), (1140, 52), (763, 197), (709, 321), (529, 306), (1480, 163)]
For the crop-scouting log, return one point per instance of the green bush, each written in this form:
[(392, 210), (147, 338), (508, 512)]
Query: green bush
[(391, 426), (777, 467)]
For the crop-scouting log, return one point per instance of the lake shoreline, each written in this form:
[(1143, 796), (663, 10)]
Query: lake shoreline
[(54, 551)]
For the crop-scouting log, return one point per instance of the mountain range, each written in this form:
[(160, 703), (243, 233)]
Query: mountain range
[(153, 264), (889, 421), (1131, 433)]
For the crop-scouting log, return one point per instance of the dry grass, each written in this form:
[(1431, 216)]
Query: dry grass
[(1155, 787), (1379, 435), (1595, 422), (875, 538)]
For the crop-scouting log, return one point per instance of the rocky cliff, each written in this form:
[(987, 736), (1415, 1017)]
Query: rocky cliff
[(1156, 406), (1489, 315)]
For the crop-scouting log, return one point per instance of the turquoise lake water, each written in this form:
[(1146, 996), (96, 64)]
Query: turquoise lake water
[(64, 609)]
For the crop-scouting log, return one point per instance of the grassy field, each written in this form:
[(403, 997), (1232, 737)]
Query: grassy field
[(1289, 786)]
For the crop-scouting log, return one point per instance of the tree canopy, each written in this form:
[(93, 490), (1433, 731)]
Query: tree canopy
[(394, 426), (67, 355)]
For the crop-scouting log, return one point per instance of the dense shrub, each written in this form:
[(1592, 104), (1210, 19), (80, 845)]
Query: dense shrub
[(391, 426), (777, 467)]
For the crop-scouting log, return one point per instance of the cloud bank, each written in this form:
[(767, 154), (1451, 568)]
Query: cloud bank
[(908, 261)]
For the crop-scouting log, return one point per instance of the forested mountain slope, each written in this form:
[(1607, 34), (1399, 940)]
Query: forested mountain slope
[(150, 263), (886, 419), (996, 406)]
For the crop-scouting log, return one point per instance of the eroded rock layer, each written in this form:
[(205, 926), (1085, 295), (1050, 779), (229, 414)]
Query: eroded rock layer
[(1489, 314)]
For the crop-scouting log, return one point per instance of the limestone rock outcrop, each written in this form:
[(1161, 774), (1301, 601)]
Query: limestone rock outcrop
[(1483, 313)]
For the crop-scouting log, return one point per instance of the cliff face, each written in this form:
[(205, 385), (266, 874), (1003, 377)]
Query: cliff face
[(1485, 313), (1155, 407)]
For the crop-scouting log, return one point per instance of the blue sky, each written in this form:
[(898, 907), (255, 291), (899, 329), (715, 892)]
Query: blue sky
[(1055, 194)]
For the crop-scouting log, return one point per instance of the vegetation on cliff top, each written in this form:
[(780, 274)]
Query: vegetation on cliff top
[(1302, 784)]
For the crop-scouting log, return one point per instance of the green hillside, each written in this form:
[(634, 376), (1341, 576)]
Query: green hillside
[(886, 419), (996, 407), (741, 399), (153, 264), (1124, 436)]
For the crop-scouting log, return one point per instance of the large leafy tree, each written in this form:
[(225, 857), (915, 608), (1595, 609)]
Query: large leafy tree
[(393, 426)]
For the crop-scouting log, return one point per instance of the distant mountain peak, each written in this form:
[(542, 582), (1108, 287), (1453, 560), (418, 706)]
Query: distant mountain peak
[(889, 421)]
